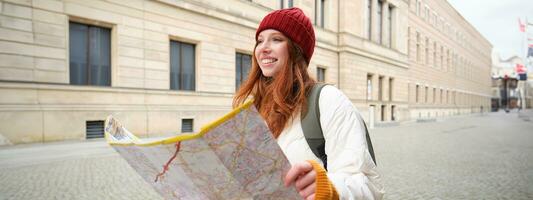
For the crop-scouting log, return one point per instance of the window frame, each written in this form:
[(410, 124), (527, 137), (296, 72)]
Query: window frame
[(181, 74), (323, 73), (240, 80), (88, 74)]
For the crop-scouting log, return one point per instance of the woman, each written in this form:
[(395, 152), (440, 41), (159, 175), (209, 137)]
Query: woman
[(279, 82)]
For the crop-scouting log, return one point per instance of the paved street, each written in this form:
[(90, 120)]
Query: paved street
[(486, 156), (474, 157)]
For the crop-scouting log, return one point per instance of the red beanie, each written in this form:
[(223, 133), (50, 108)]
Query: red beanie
[(293, 23)]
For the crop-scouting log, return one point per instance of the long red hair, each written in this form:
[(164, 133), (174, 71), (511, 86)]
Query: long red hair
[(279, 97)]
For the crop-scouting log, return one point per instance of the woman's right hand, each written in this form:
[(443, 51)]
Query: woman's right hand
[(303, 177)]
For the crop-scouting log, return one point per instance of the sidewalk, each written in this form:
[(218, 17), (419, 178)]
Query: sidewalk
[(69, 170)]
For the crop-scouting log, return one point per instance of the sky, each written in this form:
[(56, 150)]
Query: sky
[(497, 21)]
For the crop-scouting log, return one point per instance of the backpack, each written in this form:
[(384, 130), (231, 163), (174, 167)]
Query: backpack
[(313, 130)]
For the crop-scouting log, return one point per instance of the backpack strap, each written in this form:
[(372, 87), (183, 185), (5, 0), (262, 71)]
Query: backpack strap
[(368, 141), (313, 130), (311, 124)]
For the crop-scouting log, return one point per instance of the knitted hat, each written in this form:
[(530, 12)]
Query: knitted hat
[(293, 23)]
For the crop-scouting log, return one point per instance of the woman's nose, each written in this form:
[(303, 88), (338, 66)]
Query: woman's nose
[(265, 48)]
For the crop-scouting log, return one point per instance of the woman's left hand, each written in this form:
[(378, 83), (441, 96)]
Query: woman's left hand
[(303, 177)]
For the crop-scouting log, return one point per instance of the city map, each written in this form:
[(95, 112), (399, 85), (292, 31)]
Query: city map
[(235, 157)]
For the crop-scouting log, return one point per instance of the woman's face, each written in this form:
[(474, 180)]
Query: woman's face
[(271, 51)]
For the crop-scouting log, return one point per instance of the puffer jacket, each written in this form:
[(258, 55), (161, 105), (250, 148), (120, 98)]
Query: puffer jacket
[(350, 167)]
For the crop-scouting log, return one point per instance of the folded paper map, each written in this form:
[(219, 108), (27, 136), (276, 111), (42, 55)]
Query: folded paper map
[(235, 157)]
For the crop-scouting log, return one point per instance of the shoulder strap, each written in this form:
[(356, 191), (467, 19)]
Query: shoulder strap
[(313, 130), (311, 124), (368, 141)]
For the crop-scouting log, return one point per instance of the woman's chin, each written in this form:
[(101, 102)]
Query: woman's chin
[(267, 74)]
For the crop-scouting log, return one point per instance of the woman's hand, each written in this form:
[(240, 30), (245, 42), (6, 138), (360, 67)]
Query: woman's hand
[(303, 177)]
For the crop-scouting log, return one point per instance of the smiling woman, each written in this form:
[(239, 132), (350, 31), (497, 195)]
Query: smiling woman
[(271, 51), (280, 85)]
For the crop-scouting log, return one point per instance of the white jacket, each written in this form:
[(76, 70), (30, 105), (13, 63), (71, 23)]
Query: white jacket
[(350, 166)]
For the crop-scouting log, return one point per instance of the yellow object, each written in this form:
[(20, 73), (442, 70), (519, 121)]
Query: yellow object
[(138, 142), (325, 190)]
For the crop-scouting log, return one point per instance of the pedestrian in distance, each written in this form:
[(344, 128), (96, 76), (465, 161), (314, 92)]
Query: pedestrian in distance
[(278, 82)]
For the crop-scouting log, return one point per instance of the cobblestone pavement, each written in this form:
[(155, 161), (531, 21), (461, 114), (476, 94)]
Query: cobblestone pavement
[(487, 156)]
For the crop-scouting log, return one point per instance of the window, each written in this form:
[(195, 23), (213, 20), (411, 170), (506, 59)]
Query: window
[(289, 4), (455, 60), (391, 80), (380, 21), (182, 66), (389, 23), (448, 60), (89, 54), (321, 12), (426, 11), (369, 86), (441, 66), (418, 5), (434, 54), (369, 17), (426, 95), (383, 112), (409, 42), (321, 74), (433, 18), (186, 125), (427, 52), (243, 63), (418, 43), (380, 88), (416, 93)]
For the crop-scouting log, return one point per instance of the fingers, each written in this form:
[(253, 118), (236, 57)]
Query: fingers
[(305, 180), (308, 191), (297, 170)]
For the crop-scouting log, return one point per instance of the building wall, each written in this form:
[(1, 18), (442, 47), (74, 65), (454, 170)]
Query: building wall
[(459, 66), (38, 104)]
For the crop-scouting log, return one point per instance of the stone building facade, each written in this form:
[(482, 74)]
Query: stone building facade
[(449, 60), (165, 66)]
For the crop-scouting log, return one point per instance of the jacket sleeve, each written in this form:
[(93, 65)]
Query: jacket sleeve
[(350, 166)]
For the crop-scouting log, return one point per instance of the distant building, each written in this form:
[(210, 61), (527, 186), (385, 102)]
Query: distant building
[(449, 62), (509, 89)]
